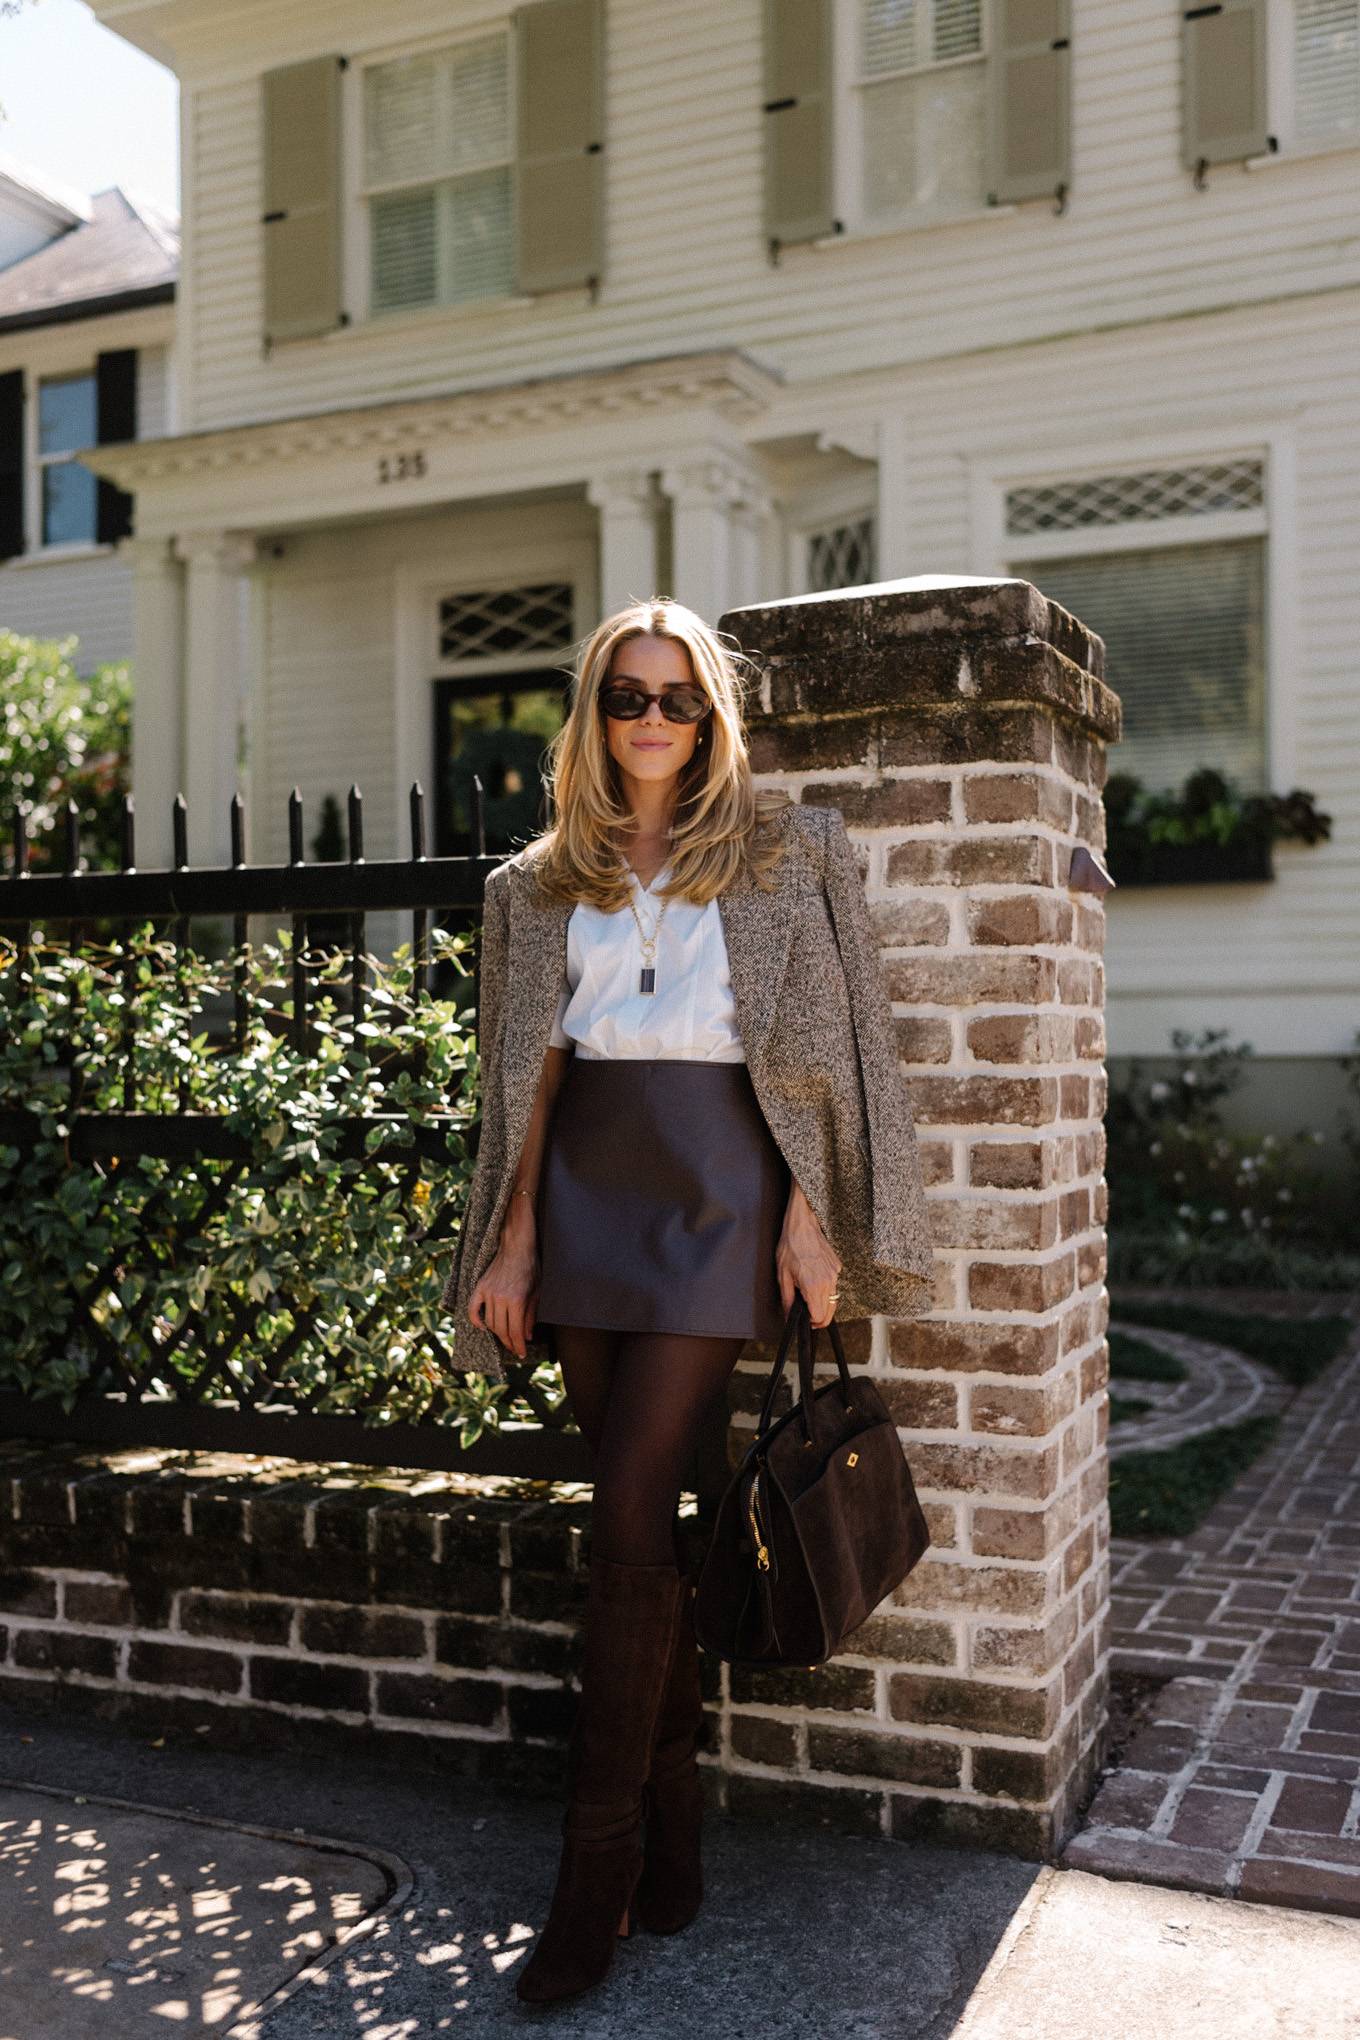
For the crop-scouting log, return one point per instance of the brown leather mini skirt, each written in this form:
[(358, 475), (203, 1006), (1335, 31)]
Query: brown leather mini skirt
[(662, 1199)]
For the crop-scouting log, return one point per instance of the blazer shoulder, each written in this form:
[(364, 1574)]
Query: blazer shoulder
[(817, 829)]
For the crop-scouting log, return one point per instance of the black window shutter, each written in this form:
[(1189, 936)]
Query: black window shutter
[(116, 387), (11, 464)]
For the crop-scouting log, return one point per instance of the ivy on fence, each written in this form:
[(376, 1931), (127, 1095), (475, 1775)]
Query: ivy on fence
[(306, 1271)]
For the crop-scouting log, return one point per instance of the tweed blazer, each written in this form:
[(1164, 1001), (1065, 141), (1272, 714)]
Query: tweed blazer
[(814, 1021)]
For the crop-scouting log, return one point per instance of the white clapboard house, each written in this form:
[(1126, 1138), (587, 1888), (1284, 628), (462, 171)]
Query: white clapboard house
[(87, 290), (492, 316)]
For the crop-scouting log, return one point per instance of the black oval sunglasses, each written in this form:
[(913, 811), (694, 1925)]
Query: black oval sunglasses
[(677, 705)]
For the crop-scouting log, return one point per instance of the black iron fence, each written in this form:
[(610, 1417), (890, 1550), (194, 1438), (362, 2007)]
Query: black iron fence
[(230, 1187)]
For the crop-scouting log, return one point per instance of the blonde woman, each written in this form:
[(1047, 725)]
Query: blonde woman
[(691, 1111)]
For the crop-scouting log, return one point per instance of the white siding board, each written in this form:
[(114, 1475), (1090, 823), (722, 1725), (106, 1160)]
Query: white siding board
[(88, 598)]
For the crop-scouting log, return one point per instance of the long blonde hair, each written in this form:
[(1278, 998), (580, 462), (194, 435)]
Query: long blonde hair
[(720, 830)]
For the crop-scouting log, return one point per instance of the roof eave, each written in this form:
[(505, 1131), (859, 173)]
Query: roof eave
[(88, 308)]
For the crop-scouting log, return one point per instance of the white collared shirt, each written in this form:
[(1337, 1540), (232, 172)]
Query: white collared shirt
[(692, 1014)]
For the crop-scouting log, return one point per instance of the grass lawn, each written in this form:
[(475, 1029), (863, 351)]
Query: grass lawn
[(1298, 1349), (1134, 1360), (1122, 1407), (1169, 1493)]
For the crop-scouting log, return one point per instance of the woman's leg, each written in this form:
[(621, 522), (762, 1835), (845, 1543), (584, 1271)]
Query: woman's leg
[(640, 1399)]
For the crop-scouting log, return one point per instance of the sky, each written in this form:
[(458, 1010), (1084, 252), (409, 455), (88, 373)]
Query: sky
[(83, 106)]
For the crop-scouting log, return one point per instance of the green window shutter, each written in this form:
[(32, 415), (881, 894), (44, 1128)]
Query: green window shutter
[(1223, 53), (302, 199), (11, 464), (559, 158), (115, 377), (1029, 99), (798, 181)]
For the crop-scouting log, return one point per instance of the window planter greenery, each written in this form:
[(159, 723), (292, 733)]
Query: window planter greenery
[(1207, 834)]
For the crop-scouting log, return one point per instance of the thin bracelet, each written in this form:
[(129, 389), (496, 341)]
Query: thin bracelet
[(524, 1193)]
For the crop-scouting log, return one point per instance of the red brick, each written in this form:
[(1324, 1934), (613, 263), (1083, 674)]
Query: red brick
[(903, 1760), (1029, 1286), (1307, 1886), (937, 1162), (910, 924), (984, 1101), (1211, 1819), (994, 1224), (967, 979), (760, 1740), (1022, 1472), (939, 1586), (106, 1604), (182, 1664), (1027, 1650), (1017, 797), (957, 1348), (1011, 1165), (1001, 860), (921, 1405), (1021, 921), (1313, 1806), (1023, 1712), (890, 803), (899, 1640), (927, 1040), (1014, 1533), (1013, 1412)]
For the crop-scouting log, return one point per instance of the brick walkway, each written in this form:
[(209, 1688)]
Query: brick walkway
[(1243, 1772), (1222, 1388)]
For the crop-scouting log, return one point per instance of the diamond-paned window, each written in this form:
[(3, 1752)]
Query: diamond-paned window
[(1143, 498), (842, 557), (507, 620)]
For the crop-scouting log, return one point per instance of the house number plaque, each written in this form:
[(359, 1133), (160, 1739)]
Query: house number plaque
[(401, 467)]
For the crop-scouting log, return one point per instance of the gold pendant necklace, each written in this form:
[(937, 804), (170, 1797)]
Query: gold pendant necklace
[(647, 975)]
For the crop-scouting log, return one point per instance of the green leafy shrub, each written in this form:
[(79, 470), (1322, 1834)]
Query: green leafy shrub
[(1169, 1493), (1206, 831), (1177, 1176), (1298, 1349), (65, 738), (323, 1267)]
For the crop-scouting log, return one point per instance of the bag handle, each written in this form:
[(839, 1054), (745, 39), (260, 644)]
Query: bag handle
[(798, 1326)]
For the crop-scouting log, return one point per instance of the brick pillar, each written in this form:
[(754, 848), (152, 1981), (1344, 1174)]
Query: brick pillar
[(961, 730)]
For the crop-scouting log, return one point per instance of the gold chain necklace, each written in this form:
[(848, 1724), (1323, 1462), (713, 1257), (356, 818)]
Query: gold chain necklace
[(647, 975)]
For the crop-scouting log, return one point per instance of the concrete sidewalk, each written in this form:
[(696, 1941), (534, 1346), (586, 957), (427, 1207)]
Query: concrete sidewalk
[(803, 1934)]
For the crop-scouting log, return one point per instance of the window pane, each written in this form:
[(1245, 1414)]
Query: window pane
[(842, 557), (1184, 637), (477, 236), (427, 116), (1327, 68), (399, 121), (479, 104), (70, 494), (923, 142), (890, 35), (66, 415), (957, 29), (405, 270), (499, 738)]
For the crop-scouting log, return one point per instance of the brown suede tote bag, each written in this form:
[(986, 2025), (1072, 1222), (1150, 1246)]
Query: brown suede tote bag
[(820, 1522)]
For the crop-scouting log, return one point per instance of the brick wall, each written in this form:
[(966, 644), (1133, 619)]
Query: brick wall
[(420, 1619), (961, 731)]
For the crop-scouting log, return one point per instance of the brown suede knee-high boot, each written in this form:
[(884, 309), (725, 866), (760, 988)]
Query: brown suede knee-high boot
[(671, 1889), (630, 1626)]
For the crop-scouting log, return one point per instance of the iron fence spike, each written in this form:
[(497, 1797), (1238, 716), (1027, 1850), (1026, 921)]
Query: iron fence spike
[(180, 816)]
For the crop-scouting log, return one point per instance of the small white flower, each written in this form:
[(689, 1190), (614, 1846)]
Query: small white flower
[(1186, 1211), (1189, 1077), (1218, 1217), (1284, 1196), (1158, 1092), (1247, 1219), (1156, 1148)]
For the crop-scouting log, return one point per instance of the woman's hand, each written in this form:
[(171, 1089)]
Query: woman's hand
[(805, 1262), (505, 1301)]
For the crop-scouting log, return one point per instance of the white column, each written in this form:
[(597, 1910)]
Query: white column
[(752, 513), (627, 538), (158, 680), (216, 687), (894, 544), (704, 493)]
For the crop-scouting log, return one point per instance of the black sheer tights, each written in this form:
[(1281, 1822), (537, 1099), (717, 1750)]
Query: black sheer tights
[(640, 1398)]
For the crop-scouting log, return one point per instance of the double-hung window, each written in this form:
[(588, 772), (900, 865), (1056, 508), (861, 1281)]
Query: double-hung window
[(923, 91), (437, 175), (67, 421), (1168, 565), (1326, 72), (1262, 76)]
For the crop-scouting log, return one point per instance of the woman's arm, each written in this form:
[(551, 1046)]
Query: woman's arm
[(804, 1261), (505, 1301)]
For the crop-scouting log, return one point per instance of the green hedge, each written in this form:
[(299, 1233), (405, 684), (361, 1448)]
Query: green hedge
[(325, 1254)]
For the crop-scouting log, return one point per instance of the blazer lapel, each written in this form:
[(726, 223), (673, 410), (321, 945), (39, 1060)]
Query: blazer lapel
[(758, 927)]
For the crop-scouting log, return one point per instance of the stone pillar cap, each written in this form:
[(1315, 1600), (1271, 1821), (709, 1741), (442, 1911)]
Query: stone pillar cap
[(931, 639)]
